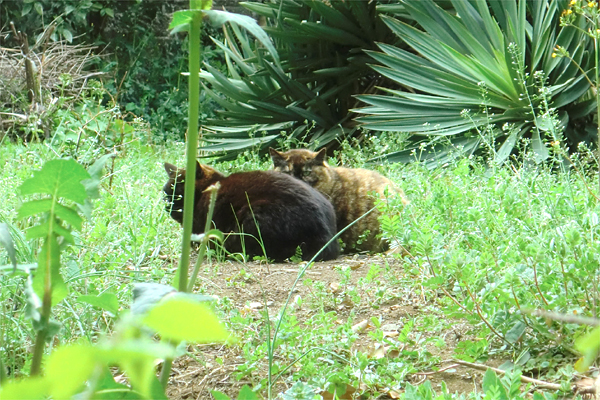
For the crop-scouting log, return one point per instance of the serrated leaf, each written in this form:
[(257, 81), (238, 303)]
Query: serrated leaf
[(181, 20), (34, 207), (68, 368), (7, 242), (184, 319), (106, 301), (60, 179)]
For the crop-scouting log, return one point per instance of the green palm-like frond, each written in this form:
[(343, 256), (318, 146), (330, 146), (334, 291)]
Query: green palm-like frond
[(469, 59)]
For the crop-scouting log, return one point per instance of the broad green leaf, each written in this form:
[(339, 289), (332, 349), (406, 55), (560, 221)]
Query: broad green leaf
[(7, 242), (215, 234), (184, 319), (68, 368), (26, 389), (106, 301), (246, 393), (60, 179), (136, 358), (515, 333), (67, 35), (589, 346), (147, 295), (219, 395), (108, 389), (182, 18), (67, 214), (490, 380)]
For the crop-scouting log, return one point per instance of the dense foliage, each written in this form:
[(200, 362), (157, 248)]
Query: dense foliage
[(141, 61), (309, 93), (488, 76), (494, 258)]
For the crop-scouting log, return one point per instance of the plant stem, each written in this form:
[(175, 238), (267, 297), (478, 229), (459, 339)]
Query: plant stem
[(191, 149), (214, 189), (40, 340)]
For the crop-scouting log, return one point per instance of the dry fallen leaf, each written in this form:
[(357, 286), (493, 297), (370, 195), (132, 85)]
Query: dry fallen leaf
[(334, 287), (361, 326)]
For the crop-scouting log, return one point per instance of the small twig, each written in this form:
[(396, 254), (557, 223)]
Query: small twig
[(573, 319), (438, 371), (485, 321), (483, 367)]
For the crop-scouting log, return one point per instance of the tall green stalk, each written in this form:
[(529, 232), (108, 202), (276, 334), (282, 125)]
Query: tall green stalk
[(192, 144), (191, 151)]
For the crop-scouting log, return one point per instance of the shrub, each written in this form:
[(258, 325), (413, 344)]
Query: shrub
[(486, 75), (310, 92)]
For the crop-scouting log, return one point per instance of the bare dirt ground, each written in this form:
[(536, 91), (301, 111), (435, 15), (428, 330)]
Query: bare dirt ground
[(216, 368)]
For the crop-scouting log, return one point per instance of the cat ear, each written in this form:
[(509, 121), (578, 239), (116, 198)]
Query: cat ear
[(171, 170), (199, 170), (275, 155), (321, 155)]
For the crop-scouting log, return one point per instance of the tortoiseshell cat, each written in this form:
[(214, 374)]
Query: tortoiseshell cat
[(289, 213), (348, 189)]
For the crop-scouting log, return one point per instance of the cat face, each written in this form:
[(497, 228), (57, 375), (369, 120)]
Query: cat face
[(174, 188), (300, 163)]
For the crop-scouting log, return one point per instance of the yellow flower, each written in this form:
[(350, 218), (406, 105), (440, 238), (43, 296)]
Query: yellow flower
[(569, 12), (591, 4), (554, 55), (573, 2)]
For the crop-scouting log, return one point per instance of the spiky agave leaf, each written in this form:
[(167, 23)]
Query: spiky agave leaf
[(320, 45), (481, 47)]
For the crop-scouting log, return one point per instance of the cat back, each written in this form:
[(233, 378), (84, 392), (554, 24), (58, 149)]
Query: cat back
[(268, 207), (352, 192)]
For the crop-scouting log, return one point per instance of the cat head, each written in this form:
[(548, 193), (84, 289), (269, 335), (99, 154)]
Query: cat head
[(300, 163), (174, 188)]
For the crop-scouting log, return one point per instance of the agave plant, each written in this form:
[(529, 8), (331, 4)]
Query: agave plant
[(485, 66), (310, 91)]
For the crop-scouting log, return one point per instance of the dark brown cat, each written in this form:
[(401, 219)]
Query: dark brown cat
[(288, 213), (349, 189)]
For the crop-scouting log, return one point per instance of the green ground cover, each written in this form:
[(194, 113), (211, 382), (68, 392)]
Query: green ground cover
[(482, 249)]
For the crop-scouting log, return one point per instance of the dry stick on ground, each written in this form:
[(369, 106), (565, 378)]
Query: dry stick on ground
[(541, 384), (33, 92)]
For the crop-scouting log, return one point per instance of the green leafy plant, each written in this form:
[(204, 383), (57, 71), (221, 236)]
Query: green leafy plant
[(493, 59), (306, 87)]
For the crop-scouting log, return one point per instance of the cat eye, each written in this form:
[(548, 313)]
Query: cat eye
[(306, 172)]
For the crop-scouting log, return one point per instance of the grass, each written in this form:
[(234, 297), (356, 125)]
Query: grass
[(483, 249)]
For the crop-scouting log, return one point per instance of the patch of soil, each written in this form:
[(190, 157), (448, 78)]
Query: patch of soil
[(247, 286)]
